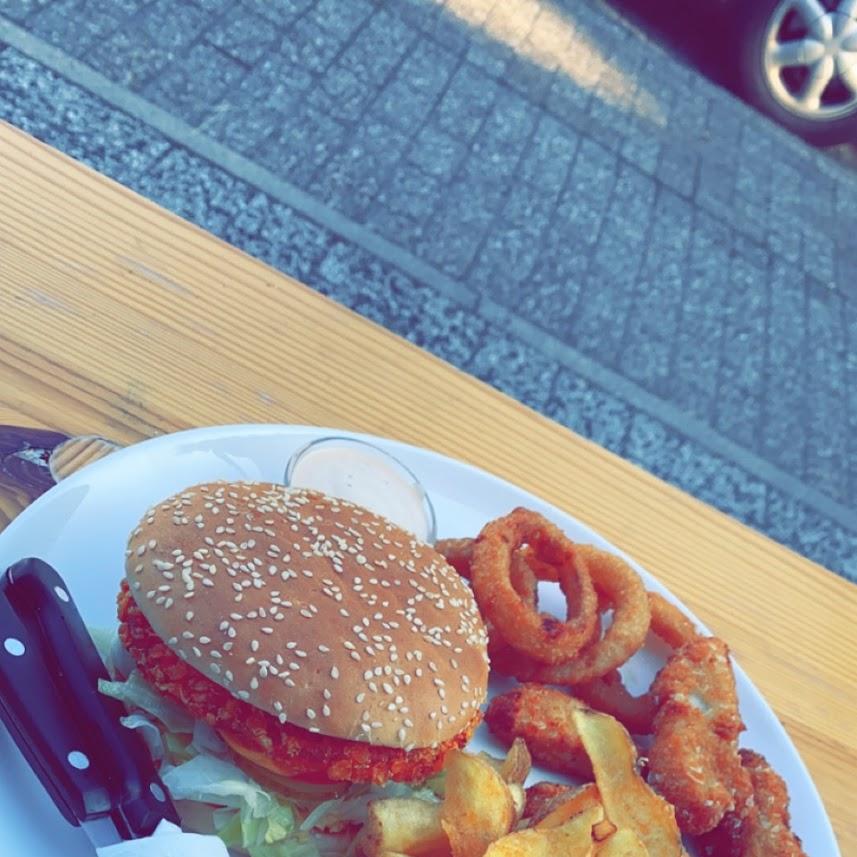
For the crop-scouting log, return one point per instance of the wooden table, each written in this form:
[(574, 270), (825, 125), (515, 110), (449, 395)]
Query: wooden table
[(119, 319)]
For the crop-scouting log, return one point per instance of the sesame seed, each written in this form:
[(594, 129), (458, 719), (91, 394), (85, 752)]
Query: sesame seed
[(334, 673), (310, 713)]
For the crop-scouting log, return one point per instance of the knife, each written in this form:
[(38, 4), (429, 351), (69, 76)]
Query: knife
[(99, 774)]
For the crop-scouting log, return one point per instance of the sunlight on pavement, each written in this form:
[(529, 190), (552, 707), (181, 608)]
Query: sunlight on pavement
[(543, 34)]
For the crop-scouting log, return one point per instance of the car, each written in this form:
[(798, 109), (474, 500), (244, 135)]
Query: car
[(796, 61)]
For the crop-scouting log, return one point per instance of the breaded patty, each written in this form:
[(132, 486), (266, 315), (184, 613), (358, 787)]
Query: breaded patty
[(294, 751)]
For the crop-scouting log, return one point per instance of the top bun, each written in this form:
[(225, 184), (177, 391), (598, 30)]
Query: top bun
[(313, 609)]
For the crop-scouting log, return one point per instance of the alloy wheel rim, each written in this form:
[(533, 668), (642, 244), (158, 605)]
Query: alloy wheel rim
[(810, 59)]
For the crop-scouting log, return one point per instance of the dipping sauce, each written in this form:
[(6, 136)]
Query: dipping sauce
[(364, 474)]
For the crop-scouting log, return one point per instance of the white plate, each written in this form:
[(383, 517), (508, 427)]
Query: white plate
[(81, 525)]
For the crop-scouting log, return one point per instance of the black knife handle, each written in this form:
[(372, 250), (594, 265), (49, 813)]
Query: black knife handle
[(90, 764)]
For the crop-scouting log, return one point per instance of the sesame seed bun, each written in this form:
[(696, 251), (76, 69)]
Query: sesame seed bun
[(314, 610)]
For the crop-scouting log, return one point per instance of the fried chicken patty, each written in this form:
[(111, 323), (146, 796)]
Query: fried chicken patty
[(294, 751)]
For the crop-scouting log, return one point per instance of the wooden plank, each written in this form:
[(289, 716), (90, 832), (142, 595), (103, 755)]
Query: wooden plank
[(119, 319)]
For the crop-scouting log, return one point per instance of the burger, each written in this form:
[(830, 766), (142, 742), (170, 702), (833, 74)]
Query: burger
[(322, 642)]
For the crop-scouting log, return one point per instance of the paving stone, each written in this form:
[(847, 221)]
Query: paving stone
[(351, 178), (436, 153), (281, 12), (276, 83), (305, 140), (74, 24), (311, 45), (547, 161), (428, 68), (696, 354), (130, 59), (410, 192), (378, 47), (399, 228), (400, 106), (192, 88), (246, 37), (784, 439), (827, 430), (739, 399), (21, 10), (488, 54), (650, 334), (240, 128), (341, 94), (466, 102), (171, 25), (341, 19)]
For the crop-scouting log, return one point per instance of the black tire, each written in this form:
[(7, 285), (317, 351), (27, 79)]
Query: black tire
[(751, 23)]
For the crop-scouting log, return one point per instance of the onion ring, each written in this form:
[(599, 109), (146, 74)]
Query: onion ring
[(620, 588), (669, 623), (609, 694), (541, 637), (458, 553)]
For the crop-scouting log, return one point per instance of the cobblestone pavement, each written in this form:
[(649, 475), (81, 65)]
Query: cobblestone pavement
[(531, 190)]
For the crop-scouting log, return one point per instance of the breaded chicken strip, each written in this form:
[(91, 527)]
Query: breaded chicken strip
[(759, 824), (542, 717), (693, 761)]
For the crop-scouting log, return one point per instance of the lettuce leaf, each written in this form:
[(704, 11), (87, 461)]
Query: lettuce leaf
[(116, 660), (136, 692), (259, 820), (149, 731), (353, 806)]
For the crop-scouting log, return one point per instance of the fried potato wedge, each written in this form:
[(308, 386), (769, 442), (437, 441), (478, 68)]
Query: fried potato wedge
[(566, 808), (404, 826), (602, 830), (572, 839), (519, 800), (477, 808), (515, 768), (628, 800), (622, 843)]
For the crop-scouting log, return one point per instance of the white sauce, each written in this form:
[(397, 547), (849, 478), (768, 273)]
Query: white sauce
[(366, 476)]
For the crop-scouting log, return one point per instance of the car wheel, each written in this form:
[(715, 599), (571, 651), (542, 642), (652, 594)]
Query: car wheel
[(797, 62)]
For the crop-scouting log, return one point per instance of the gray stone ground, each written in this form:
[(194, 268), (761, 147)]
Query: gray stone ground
[(547, 201)]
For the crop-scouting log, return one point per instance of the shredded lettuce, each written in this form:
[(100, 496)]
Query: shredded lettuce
[(135, 692), (206, 740), (149, 731), (352, 807), (117, 661), (258, 819), (211, 780)]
